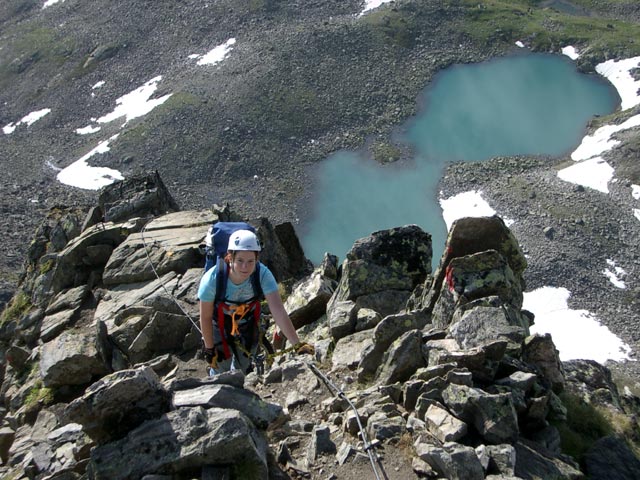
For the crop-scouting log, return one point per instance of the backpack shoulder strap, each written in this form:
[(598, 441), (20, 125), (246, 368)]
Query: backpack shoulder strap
[(255, 283), (221, 280)]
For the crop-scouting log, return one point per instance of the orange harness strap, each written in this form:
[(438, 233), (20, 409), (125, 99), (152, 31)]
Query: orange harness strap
[(237, 312)]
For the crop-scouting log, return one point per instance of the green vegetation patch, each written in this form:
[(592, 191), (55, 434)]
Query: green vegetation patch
[(384, 152), (19, 305), (35, 46), (585, 424), (392, 26), (546, 29), (39, 394)]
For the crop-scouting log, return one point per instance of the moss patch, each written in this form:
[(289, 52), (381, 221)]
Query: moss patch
[(39, 394), (19, 305), (585, 424)]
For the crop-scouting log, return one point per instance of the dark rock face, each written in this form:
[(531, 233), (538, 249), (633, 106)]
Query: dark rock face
[(141, 196), (611, 457)]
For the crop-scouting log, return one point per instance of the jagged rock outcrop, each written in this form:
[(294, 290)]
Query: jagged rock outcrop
[(102, 378)]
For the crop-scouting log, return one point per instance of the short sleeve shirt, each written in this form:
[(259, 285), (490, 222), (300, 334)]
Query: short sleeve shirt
[(235, 293)]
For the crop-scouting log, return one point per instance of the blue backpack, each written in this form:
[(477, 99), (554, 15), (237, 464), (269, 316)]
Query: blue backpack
[(216, 243)]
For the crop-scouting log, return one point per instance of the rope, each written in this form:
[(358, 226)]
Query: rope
[(368, 446), (175, 300)]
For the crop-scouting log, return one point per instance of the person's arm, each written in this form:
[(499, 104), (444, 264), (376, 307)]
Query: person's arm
[(206, 325), (281, 317)]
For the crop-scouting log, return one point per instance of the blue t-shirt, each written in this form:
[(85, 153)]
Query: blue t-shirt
[(235, 293)]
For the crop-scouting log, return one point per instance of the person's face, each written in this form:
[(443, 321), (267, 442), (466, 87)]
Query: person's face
[(244, 263)]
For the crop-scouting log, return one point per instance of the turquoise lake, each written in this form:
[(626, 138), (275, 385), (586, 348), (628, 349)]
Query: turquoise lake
[(524, 104)]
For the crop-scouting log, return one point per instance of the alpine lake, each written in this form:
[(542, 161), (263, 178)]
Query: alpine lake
[(529, 104)]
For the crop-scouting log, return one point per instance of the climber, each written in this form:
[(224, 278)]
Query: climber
[(230, 295)]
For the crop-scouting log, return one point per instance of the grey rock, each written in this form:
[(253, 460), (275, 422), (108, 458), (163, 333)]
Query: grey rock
[(610, 457), (382, 427), (257, 410), (320, 443), (166, 244), (452, 461), (494, 416), (468, 236), (502, 459), (403, 358), (118, 403), (73, 358), (138, 196), (483, 321), (181, 441), (309, 298), (394, 259), (535, 461), (444, 426), (348, 350), (540, 351), (7, 436), (342, 319), (366, 319)]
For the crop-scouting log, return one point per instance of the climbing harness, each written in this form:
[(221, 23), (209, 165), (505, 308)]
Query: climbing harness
[(374, 458)]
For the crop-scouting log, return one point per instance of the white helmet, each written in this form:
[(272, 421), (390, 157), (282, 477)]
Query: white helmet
[(244, 240)]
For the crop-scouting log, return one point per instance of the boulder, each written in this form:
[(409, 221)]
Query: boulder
[(610, 457), (472, 277), (184, 440), (7, 436), (452, 460), (535, 461), (394, 259), (342, 318), (141, 195), (468, 236), (118, 403), (163, 333), (348, 350), (282, 251), (593, 381), (493, 416), (540, 351), (169, 243), (257, 410), (309, 298), (74, 358), (71, 265), (444, 426), (63, 452), (483, 321), (402, 359)]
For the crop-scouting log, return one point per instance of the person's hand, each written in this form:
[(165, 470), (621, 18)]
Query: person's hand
[(303, 348), (212, 355), (208, 354)]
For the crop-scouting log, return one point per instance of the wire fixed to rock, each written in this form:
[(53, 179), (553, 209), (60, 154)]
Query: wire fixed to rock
[(376, 463), (153, 268)]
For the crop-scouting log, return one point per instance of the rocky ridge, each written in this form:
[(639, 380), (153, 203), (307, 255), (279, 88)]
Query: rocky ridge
[(416, 374), (303, 81)]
